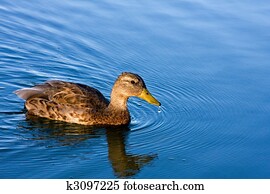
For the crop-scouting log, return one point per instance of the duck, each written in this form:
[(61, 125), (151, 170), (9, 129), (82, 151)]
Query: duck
[(81, 104)]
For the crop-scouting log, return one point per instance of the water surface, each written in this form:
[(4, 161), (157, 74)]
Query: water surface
[(207, 62)]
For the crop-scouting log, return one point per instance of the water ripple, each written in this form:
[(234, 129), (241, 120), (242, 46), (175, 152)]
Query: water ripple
[(192, 114)]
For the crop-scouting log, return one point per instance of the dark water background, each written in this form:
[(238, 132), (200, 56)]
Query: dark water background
[(206, 61)]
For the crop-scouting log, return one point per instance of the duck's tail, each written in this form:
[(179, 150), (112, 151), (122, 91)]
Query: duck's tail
[(27, 93)]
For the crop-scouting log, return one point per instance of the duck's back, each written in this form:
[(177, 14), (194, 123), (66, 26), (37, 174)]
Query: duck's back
[(65, 101)]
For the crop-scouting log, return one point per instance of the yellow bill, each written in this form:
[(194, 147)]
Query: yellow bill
[(145, 95)]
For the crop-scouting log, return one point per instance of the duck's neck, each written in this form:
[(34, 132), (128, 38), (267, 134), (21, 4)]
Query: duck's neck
[(117, 109), (118, 102)]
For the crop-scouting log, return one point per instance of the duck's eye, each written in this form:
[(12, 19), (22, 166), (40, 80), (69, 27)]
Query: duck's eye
[(132, 82)]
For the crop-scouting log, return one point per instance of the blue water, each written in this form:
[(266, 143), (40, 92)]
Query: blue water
[(207, 62)]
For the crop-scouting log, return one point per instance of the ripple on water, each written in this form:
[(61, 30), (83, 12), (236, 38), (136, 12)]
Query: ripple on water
[(196, 114)]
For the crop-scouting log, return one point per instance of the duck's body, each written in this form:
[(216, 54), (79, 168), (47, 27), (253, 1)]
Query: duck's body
[(78, 103)]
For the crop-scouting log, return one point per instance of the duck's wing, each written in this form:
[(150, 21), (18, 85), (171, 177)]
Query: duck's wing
[(68, 93)]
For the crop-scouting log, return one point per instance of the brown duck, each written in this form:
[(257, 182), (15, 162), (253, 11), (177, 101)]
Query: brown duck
[(78, 103)]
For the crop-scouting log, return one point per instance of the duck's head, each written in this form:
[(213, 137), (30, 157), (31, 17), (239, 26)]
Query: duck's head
[(130, 84)]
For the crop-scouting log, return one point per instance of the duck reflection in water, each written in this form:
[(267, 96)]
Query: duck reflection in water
[(125, 165)]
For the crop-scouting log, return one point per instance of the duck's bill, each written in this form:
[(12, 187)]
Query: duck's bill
[(147, 96)]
